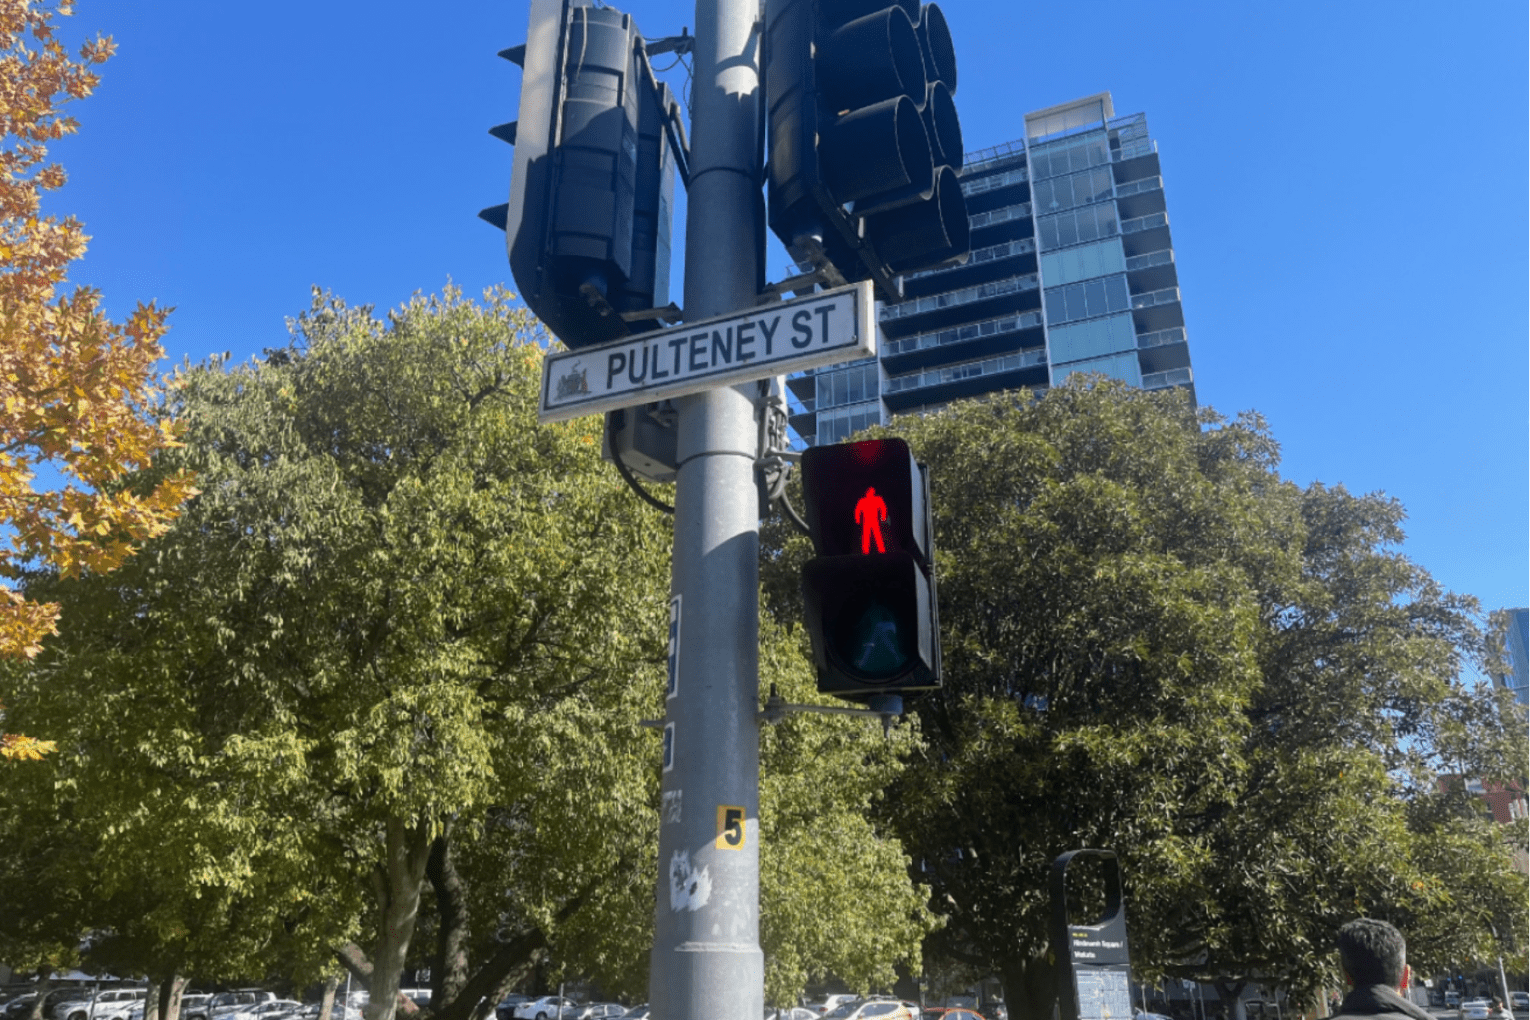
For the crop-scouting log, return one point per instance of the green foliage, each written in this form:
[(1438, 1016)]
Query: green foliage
[(401, 607), (834, 882), (1153, 643), (396, 598)]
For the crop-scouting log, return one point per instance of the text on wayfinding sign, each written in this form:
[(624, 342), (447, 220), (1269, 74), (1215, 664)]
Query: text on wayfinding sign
[(822, 329)]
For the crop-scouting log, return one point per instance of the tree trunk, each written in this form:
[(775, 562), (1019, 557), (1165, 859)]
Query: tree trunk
[(1230, 994), (493, 981), (169, 998), (44, 986), (511, 962), (1030, 987), (399, 881), (151, 1000), (327, 1001), (450, 973), (354, 959)]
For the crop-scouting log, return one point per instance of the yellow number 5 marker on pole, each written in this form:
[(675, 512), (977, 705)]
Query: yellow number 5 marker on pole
[(730, 827)]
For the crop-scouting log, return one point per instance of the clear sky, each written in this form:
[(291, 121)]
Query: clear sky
[(1346, 184)]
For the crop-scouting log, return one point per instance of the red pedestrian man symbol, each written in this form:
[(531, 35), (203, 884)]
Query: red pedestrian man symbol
[(870, 512)]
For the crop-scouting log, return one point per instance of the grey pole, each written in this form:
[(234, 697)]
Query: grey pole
[(706, 958)]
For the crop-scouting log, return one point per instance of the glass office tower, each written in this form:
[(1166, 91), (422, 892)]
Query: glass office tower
[(1516, 640), (1072, 270)]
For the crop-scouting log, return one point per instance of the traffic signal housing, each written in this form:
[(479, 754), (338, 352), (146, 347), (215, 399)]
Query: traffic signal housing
[(869, 593), (865, 142), (587, 227)]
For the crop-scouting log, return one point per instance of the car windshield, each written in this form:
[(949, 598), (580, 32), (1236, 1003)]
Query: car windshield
[(842, 1011)]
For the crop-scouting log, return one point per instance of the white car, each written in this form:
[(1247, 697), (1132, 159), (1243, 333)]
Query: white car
[(1475, 1009), (1519, 1000), (266, 1010), (858, 1009), (830, 1003), (548, 1007), (111, 1002)]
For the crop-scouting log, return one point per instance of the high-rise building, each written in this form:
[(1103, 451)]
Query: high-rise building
[(1072, 270), (1517, 679)]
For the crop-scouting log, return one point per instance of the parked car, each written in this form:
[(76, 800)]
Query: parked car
[(548, 1007), (601, 1011), (97, 1006), (22, 1005), (275, 1009), (866, 1009), (1452, 998), (337, 1011), (1519, 1000), (236, 1001), (506, 1008), (1475, 1009), (830, 1003), (195, 1006), (636, 1013), (793, 1013)]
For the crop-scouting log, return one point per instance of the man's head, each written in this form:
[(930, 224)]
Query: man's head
[(1373, 953)]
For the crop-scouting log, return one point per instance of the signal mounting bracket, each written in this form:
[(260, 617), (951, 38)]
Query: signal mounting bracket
[(776, 710)]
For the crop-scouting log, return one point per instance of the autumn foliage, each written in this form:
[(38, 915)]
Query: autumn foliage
[(77, 391)]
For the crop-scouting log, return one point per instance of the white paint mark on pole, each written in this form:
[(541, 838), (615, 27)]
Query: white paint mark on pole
[(828, 328), (689, 888)]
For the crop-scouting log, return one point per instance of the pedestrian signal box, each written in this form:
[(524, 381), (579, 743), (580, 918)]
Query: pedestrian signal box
[(869, 592), (1094, 961)]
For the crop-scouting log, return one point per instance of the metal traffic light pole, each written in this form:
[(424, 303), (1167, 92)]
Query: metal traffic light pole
[(706, 959)]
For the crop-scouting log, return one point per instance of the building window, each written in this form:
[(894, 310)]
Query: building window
[(1087, 224), (846, 386), (1087, 300), (1075, 189), (1057, 158), (837, 426)]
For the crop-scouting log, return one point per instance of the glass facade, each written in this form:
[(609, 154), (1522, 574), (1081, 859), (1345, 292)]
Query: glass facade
[(1516, 656), (1064, 277)]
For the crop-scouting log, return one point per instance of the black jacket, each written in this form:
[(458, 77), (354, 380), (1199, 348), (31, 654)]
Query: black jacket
[(1379, 1001)]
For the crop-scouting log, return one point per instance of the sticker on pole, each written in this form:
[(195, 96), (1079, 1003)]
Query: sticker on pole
[(731, 834), (672, 685), (827, 328)]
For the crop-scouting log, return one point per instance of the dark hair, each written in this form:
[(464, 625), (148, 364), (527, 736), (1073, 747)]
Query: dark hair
[(1372, 952)]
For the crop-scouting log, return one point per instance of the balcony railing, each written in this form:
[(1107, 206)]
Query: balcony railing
[(1163, 380), (1144, 223), (1131, 150), (1004, 215), (966, 295), (976, 160), (981, 184), (1138, 187), (961, 334), (1151, 259), (1167, 296), (1009, 249), (1162, 338), (971, 370)]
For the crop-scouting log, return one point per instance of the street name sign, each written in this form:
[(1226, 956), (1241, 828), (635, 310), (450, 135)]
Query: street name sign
[(827, 328)]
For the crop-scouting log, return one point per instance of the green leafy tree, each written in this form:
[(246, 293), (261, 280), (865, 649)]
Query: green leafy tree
[(1155, 644), (384, 677)]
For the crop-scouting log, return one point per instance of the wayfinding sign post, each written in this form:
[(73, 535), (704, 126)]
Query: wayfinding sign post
[(789, 336), (1094, 961)]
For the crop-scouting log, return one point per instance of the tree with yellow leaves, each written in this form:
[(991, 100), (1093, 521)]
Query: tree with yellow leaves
[(77, 391)]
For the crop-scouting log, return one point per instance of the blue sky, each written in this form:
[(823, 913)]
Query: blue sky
[(1345, 180)]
